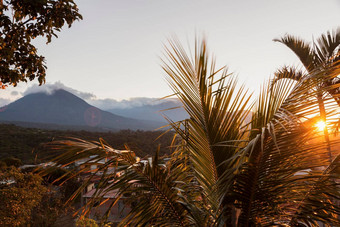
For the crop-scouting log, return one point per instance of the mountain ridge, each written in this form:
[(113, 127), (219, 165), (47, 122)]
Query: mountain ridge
[(171, 109), (64, 108)]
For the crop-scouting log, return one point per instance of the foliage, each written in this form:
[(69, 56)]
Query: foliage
[(227, 169), (21, 21), (86, 222), (65, 189), (38, 201), (25, 143), (52, 206), (20, 193), (322, 53)]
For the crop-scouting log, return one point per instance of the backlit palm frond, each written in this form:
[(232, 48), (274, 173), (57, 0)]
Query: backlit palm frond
[(329, 81), (264, 121), (302, 49), (156, 192), (200, 204), (273, 185), (287, 72), (325, 53), (181, 71), (321, 200), (282, 146), (217, 109), (268, 105), (86, 154), (327, 48)]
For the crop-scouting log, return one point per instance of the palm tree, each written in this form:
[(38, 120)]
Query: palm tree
[(226, 170), (322, 54)]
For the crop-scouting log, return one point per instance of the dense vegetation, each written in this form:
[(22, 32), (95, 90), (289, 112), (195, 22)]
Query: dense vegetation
[(16, 210), (27, 143), (31, 200)]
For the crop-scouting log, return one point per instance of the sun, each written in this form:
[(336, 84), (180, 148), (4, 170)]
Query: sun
[(320, 125)]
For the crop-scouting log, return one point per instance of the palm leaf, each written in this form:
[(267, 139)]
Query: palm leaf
[(320, 203), (281, 147), (141, 179), (216, 109), (288, 73), (327, 49), (302, 50)]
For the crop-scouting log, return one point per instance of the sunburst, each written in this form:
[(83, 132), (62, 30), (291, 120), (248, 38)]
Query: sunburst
[(320, 125)]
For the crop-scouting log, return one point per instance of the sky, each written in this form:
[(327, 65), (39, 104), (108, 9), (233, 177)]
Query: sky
[(114, 52)]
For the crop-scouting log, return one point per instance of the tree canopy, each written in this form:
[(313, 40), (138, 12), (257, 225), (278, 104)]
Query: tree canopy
[(27, 143), (19, 194), (21, 21)]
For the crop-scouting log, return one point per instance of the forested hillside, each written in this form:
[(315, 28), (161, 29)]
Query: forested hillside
[(27, 143)]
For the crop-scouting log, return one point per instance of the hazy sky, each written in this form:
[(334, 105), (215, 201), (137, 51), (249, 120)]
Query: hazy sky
[(114, 52)]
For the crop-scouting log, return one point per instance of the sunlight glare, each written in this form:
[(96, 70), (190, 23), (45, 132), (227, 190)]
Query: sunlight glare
[(320, 125)]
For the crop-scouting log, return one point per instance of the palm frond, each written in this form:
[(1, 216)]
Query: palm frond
[(287, 72), (140, 180), (283, 146), (327, 49), (321, 201), (302, 50), (216, 109)]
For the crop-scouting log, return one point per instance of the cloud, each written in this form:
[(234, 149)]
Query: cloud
[(50, 88), (107, 104), (4, 102)]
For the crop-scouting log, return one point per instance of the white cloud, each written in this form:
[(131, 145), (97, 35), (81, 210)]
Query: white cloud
[(50, 88), (4, 102), (123, 104), (107, 104)]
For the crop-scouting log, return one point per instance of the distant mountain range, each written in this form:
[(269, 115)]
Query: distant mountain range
[(63, 110), (171, 109)]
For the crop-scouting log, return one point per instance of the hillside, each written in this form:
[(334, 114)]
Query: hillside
[(26, 143)]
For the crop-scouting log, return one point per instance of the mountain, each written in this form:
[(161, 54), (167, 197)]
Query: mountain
[(154, 112), (65, 109)]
